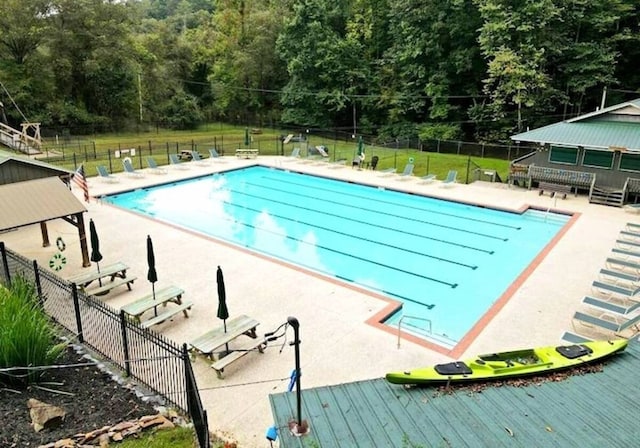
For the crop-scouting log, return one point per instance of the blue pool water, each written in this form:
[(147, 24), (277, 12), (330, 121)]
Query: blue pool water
[(447, 262)]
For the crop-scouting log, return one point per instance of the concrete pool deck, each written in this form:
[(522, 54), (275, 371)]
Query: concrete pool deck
[(338, 345)]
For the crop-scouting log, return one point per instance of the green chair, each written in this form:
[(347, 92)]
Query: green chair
[(613, 326), (625, 252), (619, 276), (608, 306), (623, 264), (611, 288)]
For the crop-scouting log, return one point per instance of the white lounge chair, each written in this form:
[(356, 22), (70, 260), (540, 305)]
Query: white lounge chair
[(429, 178), (154, 167), (129, 169), (407, 172), (295, 155), (195, 158), (104, 174), (214, 156), (451, 179), (608, 324), (176, 162)]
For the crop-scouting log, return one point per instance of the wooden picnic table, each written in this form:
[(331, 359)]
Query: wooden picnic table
[(108, 277), (170, 294), (247, 153), (210, 341)]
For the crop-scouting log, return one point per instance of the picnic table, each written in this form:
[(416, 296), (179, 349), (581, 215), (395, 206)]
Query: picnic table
[(109, 277), (247, 153), (207, 343), (170, 294)]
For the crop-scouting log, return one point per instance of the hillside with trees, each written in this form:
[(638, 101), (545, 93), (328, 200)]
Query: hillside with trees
[(469, 69)]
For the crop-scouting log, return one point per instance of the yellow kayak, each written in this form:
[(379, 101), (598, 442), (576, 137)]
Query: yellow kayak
[(527, 362)]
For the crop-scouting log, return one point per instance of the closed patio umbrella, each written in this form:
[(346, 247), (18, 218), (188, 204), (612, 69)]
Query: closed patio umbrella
[(152, 275), (96, 256), (247, 140), (223, 311)]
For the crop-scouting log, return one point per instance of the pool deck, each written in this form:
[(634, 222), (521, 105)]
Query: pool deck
[(338, 345)]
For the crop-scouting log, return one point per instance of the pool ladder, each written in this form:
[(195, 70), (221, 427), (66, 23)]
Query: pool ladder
[(430, 329)]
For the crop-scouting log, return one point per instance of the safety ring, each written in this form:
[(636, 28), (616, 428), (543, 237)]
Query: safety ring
[(127, 159), (60, 244), (411, 159), (57, 262)]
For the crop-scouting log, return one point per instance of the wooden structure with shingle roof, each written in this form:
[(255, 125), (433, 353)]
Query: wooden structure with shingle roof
[(34, 192)]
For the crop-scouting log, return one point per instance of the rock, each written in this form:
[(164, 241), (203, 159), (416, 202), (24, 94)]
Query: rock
[(166, 424), (121, 426), (104, 440), (151, 422), (44, 415), (88, 437), (64, 443)]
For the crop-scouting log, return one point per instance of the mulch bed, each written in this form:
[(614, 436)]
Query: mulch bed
[(97, 401)]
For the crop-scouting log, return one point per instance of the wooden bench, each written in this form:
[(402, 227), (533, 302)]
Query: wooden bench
[(109, 285), (162, 297), (247, 153), (83, 279), (167, 315), (554, 189), (220, 364), (238, 326)]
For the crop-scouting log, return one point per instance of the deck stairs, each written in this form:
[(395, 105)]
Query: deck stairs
[(607, 196), (19, 140)]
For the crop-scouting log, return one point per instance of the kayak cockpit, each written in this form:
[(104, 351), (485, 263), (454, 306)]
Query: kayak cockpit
[(453, 368), (574, 351)]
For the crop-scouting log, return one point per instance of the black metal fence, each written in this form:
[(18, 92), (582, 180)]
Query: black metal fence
[(160, 364)]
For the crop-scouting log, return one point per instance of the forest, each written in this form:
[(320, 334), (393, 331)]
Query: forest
[(448, 69)]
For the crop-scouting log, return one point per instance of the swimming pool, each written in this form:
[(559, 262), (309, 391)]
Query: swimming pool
[(447, 262)]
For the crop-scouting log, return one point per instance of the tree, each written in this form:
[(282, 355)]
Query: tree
[(244, 67), (90, 52), (321, 62), (24, 27), (433, 61)]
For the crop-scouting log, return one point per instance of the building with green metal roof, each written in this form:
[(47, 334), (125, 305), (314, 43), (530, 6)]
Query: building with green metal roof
[(603, 146), (595, 409)]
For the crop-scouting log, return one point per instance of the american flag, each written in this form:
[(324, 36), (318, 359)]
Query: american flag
[(81, 181)]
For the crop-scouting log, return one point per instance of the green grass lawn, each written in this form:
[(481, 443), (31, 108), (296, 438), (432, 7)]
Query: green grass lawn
[(158, 143)]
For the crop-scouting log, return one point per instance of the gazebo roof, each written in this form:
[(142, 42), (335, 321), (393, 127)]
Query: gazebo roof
[(612, 128), (34, 201)]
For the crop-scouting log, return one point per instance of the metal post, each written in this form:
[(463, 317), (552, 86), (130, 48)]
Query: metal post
[(76, 307), (125, 344), (7, 274), (36, 276), (300, 427)]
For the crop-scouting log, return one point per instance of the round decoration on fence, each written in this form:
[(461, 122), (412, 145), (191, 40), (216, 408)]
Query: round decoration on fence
[(57, 262), (60, 244), (127, 159), (411, 159)]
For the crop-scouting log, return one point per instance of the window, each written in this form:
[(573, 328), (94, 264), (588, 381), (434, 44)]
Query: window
[(599, 159), (559, 154), (630, 162)]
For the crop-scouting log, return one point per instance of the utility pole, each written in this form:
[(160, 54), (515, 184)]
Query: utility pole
[(140, 94)]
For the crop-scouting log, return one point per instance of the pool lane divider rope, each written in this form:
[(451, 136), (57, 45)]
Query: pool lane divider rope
[(433, 257), (390, 203), (394, 229), (485, 235)]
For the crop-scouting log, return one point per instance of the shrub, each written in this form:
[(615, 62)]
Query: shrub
[(27, 337)]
